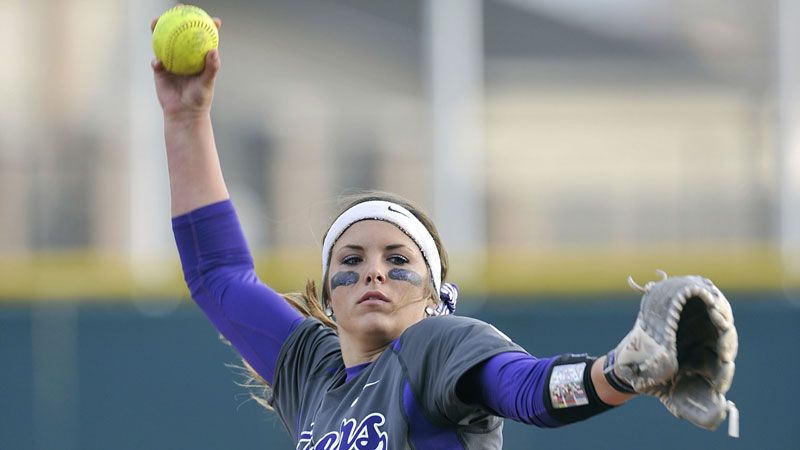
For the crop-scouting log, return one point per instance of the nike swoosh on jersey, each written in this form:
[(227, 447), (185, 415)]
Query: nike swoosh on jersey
[(362, 389)]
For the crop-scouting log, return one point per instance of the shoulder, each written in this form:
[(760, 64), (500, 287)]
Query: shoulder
[(311, 344), (436, 352), (312, 349), (450, 331), (449, 324), (312, 326), (449, 320), (311, 331)]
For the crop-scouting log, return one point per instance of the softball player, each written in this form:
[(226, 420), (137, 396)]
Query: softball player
[(379, 361)]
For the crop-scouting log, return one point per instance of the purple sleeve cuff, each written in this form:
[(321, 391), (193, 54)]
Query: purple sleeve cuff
[(219, 272), (511, 385)]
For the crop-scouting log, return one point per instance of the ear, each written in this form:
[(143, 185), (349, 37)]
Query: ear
[(433, 302)]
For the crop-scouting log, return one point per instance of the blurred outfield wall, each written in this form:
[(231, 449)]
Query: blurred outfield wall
[(117, 377)]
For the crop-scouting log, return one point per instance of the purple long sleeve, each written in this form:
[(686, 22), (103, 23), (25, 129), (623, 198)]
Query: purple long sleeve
[(512, 385), (218, 269)]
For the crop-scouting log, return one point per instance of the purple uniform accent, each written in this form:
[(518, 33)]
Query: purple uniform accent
[(512, 385), (421, 432), (353, 372), (218, 268)]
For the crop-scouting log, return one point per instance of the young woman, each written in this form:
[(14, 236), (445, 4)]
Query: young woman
[(377, 361)]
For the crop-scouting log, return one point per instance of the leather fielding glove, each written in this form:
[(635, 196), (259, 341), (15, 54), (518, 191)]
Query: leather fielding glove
[(681, 350)]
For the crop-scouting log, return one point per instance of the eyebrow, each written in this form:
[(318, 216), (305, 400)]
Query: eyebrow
[(361, 249)]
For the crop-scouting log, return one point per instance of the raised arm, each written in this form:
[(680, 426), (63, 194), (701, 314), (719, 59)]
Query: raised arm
[(194, 171), (216, 260)]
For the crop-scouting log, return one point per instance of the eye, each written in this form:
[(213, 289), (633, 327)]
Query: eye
[(351, 260), (398, 260)]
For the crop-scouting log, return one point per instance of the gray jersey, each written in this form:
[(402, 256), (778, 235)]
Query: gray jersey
[(405, 399)]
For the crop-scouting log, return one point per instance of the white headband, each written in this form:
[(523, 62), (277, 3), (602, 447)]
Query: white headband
[(392, 213)]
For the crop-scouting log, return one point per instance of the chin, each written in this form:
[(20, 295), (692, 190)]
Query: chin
[(378, 326)]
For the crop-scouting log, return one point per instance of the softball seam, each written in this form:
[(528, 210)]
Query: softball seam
[(195, 23)]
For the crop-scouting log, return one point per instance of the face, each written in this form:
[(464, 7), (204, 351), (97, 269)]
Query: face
[(377, 281)]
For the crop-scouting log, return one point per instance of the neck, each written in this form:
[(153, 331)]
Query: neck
[(355, 351)]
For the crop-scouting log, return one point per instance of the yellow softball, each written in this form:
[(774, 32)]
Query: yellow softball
[(182, 37)]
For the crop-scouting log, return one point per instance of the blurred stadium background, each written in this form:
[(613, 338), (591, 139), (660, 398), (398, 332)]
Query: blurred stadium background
[(559, 144)]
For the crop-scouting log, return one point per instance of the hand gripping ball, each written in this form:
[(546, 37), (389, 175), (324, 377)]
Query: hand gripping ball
[(182, 37)]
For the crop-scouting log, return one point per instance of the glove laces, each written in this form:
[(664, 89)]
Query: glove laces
[(647, 286)]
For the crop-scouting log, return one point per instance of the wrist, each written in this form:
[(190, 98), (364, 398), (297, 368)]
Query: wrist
[(619, 384), (607, 393), (187, 117)]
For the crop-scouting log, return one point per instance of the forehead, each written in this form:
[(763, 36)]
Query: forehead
[(374, 233)]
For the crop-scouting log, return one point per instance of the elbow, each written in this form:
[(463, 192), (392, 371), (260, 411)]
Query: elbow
[(213, 280)]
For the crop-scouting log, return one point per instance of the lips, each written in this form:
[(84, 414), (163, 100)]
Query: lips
[(373, 295)]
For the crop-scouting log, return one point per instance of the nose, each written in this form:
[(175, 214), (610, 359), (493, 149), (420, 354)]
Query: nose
[(375, 274)]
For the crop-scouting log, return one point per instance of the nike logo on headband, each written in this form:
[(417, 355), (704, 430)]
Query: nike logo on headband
[(398, 212)]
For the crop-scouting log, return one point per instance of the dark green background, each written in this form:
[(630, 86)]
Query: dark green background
[(137, 381)]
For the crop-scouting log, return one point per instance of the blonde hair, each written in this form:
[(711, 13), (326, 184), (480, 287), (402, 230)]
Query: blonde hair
[(310, 304)]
